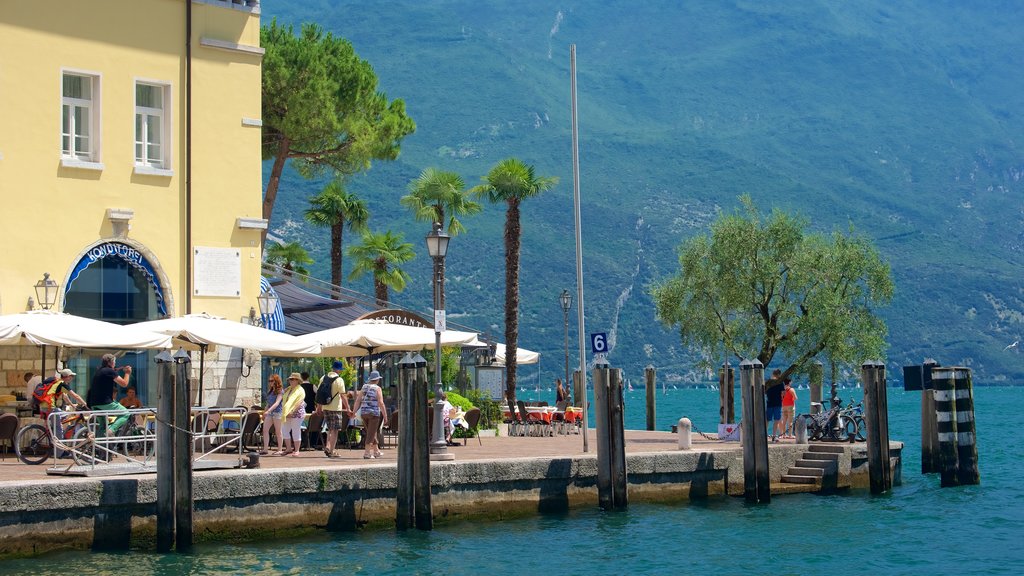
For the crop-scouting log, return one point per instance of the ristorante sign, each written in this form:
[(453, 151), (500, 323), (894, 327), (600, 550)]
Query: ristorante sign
[(398, 317)]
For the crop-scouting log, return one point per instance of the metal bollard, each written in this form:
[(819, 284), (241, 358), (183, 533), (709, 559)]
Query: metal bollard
[(685, 427), (801, 430)]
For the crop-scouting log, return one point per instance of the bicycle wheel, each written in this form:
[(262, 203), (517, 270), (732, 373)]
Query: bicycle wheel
[(32, 444), (813, 429), (862, 429), (85, 453), (140, 442), (850, 428)]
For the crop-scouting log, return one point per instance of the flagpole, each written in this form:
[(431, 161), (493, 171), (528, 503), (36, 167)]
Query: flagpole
[(579, 241)]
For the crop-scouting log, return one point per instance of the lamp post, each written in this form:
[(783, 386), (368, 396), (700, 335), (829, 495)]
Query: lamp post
[(566, 300), (437, 247), (268, 304), (46, 292)]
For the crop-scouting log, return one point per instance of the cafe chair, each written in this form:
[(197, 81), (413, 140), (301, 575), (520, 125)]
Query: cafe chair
[(524, 418), (8, 428), (314, 432), (472, 419), (511, 420), (389, 431)]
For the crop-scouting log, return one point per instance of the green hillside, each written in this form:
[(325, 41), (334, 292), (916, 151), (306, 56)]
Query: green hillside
[(900, 120)]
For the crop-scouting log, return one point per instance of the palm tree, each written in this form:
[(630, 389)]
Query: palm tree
[(437, 195), (511, 181), (292, 257), (335, 208), (379, 254)]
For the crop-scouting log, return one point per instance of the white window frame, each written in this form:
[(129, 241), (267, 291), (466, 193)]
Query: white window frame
[(148, 167), (91, 161)]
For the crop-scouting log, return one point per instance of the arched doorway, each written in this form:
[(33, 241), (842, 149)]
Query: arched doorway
[(115, 282)]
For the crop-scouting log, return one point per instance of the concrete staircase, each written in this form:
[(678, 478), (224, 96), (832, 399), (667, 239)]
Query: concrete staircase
[(818, 465)]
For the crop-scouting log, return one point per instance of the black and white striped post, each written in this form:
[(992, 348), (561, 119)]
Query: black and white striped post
[(929, 435), (944, 391), (963, 429), (756, 485)]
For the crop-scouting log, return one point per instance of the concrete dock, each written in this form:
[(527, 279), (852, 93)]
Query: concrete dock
[(498, 477)]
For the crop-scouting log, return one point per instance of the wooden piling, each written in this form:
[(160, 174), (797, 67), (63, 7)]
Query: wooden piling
[(929, 433), (651, 383), (726, 395), (405, 494), (756, 486), (876, 419), (165, 455), (816, 379), (605, 498), (943, 380), (182, 461), (617, 440), (966, 437), (424, 518)]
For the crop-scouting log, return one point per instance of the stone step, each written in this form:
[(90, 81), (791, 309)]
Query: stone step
[(797, 479), (821, 456), (826, 448), (823, 464), (801, 471)]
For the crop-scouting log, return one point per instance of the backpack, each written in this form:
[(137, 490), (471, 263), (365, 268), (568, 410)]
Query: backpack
[(44, 393), (323, 393)]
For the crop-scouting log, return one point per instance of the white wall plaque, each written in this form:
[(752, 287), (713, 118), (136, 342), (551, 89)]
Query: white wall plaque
[(217, 272)]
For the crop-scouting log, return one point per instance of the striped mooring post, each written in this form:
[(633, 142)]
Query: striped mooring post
[(954, 415)]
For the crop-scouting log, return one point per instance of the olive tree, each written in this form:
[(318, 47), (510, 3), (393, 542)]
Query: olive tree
[(763, 285)]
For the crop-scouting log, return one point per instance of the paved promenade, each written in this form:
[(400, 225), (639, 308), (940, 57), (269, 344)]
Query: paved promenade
[(490, 448)]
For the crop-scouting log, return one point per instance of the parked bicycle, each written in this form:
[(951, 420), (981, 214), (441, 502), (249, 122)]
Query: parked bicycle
[(855, 412), (34, 444), (831, 425)]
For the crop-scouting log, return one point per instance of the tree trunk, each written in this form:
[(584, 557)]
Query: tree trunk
[(512, 241), (272, 185), (337, 232), (380, 289)]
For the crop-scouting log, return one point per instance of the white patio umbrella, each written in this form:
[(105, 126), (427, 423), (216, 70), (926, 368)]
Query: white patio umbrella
[(204, 330), (49, 328), (46, 328), (363, 337), (523, 356)]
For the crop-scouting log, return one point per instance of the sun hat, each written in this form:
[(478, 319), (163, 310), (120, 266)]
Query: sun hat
[(67, 372), (373, 377), (295, 376), (338, 365)]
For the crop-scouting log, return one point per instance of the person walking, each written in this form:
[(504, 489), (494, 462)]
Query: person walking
[(307, 387), (561, 394), (773, 404), (272, 415), (336, 411), (101, 392), (788, 409), (294, 413), (370, 405)]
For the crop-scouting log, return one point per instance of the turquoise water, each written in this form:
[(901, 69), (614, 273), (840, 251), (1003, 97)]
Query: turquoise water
[(918, 529)]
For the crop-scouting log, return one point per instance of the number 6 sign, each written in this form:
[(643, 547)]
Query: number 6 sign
[(599, 343)]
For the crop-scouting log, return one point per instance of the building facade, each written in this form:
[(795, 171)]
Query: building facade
[(130, 171)]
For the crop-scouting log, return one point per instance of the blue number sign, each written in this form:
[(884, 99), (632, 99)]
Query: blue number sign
[(599, 343)]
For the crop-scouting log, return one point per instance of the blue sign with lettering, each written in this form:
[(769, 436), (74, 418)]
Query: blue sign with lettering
[(599, 343)]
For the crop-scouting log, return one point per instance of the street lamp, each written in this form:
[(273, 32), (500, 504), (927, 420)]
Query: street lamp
[(46, 292), (268, 304), (566, 300), (437, 247)]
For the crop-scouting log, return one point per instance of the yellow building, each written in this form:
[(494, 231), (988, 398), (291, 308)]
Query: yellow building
[(130, 169)]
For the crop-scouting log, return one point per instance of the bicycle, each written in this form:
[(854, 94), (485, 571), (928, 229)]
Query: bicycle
[(131, 441), (855, 412), (34, 443), (832, 425)]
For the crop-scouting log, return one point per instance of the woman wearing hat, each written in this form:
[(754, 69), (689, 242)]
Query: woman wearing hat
[(370, 406), (294, 411)]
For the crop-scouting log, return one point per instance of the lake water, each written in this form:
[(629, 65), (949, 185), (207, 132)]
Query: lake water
[(917, 529)]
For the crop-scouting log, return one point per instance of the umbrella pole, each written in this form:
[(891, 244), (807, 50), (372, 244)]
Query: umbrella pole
[(202, 359), (42, 371)]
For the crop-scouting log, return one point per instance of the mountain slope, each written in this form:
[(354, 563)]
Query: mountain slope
[(901, 121)]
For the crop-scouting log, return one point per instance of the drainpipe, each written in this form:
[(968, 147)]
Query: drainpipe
[(188, 156)]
